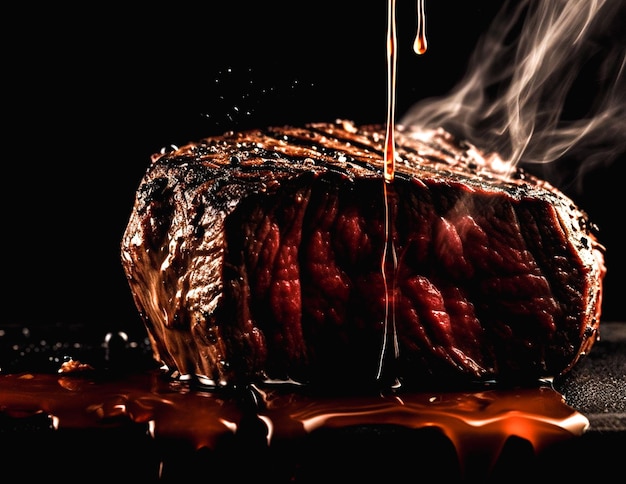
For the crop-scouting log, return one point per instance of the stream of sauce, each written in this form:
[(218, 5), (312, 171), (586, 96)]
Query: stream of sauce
[(389, 263), (420, 46)]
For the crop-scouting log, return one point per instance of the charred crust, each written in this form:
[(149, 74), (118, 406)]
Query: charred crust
[(184, 253)]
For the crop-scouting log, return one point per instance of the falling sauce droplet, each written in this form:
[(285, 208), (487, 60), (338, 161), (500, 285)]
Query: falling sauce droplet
[(420, 45)]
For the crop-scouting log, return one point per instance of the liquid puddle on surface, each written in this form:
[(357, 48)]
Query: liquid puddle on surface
[(476, 424)]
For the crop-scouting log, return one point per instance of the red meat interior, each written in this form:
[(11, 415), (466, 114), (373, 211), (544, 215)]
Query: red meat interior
[(476, 281)]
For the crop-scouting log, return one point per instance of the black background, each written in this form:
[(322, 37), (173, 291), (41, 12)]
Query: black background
[(92, 91)]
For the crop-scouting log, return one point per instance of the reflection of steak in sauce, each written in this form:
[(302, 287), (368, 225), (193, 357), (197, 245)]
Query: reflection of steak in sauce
[(257, 255)]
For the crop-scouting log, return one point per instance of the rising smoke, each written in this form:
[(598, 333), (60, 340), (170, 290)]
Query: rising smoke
[(545, 83)]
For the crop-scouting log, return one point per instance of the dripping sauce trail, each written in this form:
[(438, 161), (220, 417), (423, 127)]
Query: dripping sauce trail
[(389, 262)]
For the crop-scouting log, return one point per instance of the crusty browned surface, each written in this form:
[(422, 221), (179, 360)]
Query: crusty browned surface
[(257, 255)]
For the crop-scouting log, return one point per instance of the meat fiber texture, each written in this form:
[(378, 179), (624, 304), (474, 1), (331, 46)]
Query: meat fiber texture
[(256, 256)]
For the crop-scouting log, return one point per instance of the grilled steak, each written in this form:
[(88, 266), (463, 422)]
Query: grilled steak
[(256, 256)]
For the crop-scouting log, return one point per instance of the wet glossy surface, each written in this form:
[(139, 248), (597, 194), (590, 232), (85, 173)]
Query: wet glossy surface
[(142, 424), (477, 424)]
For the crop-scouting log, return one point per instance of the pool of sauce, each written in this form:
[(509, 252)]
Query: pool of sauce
[(285, 433)]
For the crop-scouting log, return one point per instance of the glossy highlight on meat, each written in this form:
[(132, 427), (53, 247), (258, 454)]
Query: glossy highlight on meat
[(256, 256)]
